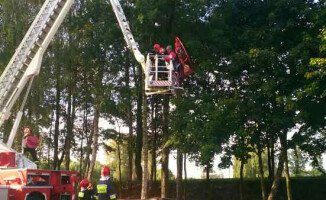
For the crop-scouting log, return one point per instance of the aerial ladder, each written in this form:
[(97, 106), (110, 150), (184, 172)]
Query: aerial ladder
[(19, 177), (26, 62)]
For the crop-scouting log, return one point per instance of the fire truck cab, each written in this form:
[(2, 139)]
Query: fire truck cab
[(29, 184)]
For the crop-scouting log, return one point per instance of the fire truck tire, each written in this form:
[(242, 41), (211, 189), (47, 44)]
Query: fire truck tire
[(35, 196)]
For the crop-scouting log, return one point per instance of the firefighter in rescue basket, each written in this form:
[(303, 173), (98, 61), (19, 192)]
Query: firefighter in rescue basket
[(104, 188)]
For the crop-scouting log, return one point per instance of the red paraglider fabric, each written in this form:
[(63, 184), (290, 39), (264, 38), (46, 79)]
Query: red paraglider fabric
[(186, 65)]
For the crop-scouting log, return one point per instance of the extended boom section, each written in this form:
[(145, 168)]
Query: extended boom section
[(129, 38), (162, 86), (27, 59)]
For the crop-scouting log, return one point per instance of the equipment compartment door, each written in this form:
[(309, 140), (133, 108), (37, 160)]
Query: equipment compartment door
[(3, 193)]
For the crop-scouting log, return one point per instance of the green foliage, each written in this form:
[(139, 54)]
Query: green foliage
[(251, 168), (259, 72)]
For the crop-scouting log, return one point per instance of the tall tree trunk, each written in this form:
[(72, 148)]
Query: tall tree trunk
[(288, 178), (269, 160), (130, 152), (129, 122), (88, 153), (139, 131), (95, 129), (153, 169), (278, 176), (269, 163), (95, 145), (154, 137), (296, 162), (60, 160), (179, 174), (273, 160), (119, 163), (81, 159), (50, 142), (241, 180), (286, 167), (185, 179), (165, 149), (69, 130), (261, 174), (84, 163), (144, 191), (57, 119), (207, 173)]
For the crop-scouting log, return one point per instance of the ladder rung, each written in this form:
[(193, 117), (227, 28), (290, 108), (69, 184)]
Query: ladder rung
[(27, 61), (50, 22), (46, 29), (30, 48), (54, 16), (34, 48), (31, 54), (57, 9), (29, 57), (18, 75), (37, 42), (21, 70), (43, 35), (23, 66), (61, 3)]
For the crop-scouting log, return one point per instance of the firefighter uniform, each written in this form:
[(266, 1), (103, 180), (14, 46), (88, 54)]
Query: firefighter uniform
[(104, 190), (86, 195)]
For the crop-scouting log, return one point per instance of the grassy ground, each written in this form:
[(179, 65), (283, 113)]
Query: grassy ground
[(312, 188)]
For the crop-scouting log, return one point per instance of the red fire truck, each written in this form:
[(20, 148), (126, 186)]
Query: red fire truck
[(29, 184)]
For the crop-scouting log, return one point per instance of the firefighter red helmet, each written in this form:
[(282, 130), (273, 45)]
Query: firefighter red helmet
[(156, 47), (84, 183), (161, 50), (105, 171)]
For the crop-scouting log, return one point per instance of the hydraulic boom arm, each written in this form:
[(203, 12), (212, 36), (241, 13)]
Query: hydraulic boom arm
[(26, 62), (129, 38), (27, 59)]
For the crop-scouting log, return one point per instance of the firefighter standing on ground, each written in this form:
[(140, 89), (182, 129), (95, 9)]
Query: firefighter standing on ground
[(104, 188), (85, 193)]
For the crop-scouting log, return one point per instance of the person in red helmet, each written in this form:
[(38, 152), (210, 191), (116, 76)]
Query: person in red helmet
[(158, 49), (172, 56), (85, 193), (104, 188)]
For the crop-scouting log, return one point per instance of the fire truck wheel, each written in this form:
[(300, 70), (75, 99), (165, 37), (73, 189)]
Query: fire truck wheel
[(35, 196)]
